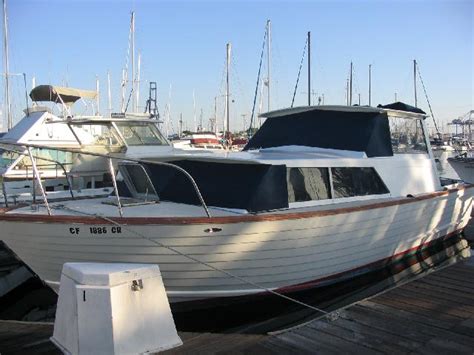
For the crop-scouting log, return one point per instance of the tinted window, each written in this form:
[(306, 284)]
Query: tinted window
[(349, 182), (306, 184)]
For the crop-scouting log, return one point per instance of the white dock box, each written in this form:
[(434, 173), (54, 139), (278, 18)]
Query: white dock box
[(113, 309)]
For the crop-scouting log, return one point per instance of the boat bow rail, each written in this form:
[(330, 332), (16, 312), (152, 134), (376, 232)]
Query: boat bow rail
[(28, 147)]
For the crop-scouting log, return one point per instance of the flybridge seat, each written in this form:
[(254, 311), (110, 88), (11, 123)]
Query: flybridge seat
[(58, 94)]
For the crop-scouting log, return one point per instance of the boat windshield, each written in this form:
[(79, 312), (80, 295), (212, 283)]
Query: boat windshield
[(141, 133)]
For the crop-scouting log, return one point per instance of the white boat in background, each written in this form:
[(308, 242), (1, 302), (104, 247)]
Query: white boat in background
[(318, 196), (463, 165), (199, 140), (61, 171)]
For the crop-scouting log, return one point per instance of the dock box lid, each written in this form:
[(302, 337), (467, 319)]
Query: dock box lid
[(108, 274)]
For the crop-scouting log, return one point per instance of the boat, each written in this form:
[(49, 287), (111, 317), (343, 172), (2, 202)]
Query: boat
[(463, 165), (62, 171), (199, 140), (318, 196)]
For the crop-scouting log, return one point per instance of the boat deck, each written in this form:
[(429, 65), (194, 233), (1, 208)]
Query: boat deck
[(433, 314)]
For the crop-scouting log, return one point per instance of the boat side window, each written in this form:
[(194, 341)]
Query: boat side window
[(7, 158), (349, 182), (47, 159), (407, 136), (307, 184)]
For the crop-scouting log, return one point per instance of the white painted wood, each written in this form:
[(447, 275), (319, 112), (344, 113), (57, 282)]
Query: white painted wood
[(113, 309)]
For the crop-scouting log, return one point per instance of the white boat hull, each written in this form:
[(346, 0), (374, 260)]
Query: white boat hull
[(286, 250)]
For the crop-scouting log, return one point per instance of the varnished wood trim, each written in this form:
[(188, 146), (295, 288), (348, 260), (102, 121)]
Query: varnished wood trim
[(20, 217)]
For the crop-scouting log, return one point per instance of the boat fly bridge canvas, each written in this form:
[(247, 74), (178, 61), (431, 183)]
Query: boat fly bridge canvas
[(317, 196)]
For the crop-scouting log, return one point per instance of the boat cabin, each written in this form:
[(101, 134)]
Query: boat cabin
[(302, 157)]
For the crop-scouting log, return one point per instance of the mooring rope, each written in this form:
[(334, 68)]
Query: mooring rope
[(332, 315)]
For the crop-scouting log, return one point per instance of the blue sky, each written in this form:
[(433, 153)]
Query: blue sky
[(182, 45)]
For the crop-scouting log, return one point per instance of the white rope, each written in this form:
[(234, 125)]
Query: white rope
[(197, 260)]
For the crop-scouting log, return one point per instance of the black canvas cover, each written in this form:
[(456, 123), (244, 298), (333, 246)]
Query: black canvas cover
[(254, 187), (360, 130), (401, 106)]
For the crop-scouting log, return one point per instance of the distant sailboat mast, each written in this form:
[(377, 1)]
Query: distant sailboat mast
[(227, 90), (414, 82), (268, 59), (6, 67), (309, 68)]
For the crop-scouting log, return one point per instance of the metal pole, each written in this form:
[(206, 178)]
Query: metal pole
[(38, 179), (309, 68), (97, 89), (268, 58), (228, 90), (114, 182), (370, 84), (6, 63), (26, 95), (132, 29), (350, 87), (414, 81), (109, 93)]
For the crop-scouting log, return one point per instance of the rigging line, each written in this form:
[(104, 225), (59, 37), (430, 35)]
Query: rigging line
[(174, 250), (427, 99), (299, 73), (258, 81)]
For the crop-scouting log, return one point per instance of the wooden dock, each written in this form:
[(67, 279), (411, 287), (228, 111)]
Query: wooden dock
[(434, 314)]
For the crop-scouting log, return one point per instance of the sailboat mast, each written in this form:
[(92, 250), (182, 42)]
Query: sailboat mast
[(227, 91), (137, 85), (309, 68), (414, 81), (350, 87), (97, 89), (7, 69), (109, 93), (370, 84), (132, 29), (269, 42)]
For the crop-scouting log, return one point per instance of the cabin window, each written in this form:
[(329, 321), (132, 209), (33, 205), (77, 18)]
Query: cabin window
[(407, 136), (349, 182), (306, 184)]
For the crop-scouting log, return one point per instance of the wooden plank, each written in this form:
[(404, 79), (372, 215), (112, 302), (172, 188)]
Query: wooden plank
[(336, 340), (445, 286), (431, 297), (367, 335), (443, 346), (463, 297), (432, 309), (463, 285), (294, 343), (409, 315), (394, 322)]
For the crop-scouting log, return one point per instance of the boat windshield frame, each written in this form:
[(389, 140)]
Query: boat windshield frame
[(114, 125)]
